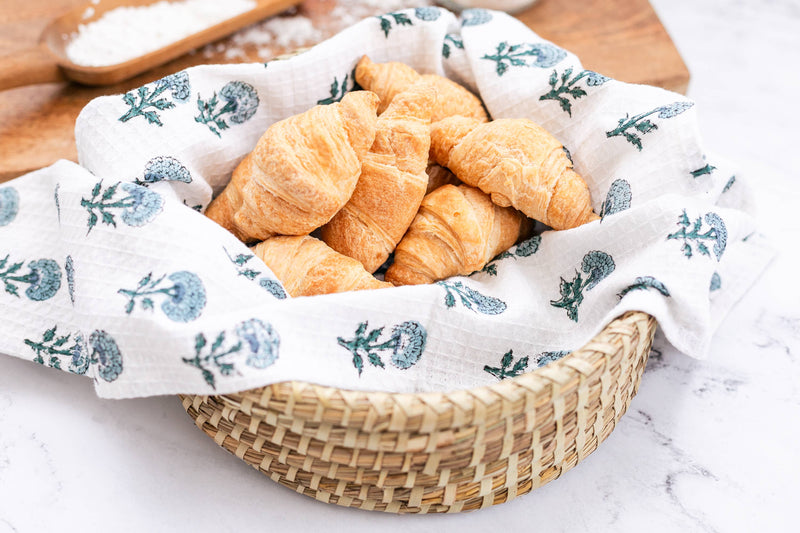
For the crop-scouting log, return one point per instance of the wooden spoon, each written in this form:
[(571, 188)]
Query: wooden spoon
[(48, 62)]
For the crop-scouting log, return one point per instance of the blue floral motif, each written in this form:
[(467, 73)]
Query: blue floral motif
[(259, 340), (598, 266), (545, 55), (164, 168), (399, 18), (104, 352), (262, 340), (505, 370), (642, 125), (716, 282), (545, 358), (644, 283), (475, 17), (427, 14), (147, 101), (186, 296), (524, 249), (618, 198), (241, 103), (80, 359), (69, 268), (729, 184), (139, 206), (693, 234), (451, 39), (269, 285), (57, 201), (471, 299), (9, 205), (404, 347), (43, 278), (567, 88)]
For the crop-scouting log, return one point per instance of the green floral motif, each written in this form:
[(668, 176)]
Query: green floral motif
[(9, 205), (505, 370), (716, 282), (644, 283), (104, 352), (138, 206), (43, 278), (475, 17), (598, 266), (399, 18), (453, 40), (404, 346), (707, 169), (618, 198), (471, 299), (164, 168), (184, 291), (69, 268), (57, 201), (338, 90), (269, 285), (642, 125), (545, 55), (567, 88), (729, 184), (545, 358), (147, 101), (253, 337), (691, 233), (524, 249), (241, 103)]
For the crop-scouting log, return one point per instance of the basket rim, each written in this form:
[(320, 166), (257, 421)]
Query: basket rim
[(426, 412)]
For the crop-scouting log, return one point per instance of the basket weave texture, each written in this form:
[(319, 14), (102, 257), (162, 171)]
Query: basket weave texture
[(434, 452)]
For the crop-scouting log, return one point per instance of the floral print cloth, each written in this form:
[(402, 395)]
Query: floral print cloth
[(109, 269)]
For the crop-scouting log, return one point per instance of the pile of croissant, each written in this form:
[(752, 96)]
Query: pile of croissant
[(357, 174)]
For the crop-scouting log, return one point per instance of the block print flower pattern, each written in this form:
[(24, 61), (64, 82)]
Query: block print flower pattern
[(9, 205), (101, 351), (184, 291), (43, 278), (240, 104), (137, 205), (270, 285), (643, 283), (339, 89), (253, 339), (692, 235), (597, 266), (451, 40), (510, 369), (389, 21), (562, 87), (541, 55), (524, 249), (617, 199), (475, 17), (164, 168), (404, 346), (470, 298), (632, 128), (148, 100)]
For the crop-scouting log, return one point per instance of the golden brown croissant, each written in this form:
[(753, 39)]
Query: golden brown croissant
[(307, 266), (388, 80), (456, 231), (392, 182), (518, 163), (301, 172), (438, 176)]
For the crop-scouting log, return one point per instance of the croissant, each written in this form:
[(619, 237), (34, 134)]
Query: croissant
[(518, 163), (301, 172), (388, 80), (456, 231), (307, 266), (392, 182)]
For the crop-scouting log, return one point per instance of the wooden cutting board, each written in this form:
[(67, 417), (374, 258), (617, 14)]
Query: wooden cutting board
[(619, 38)]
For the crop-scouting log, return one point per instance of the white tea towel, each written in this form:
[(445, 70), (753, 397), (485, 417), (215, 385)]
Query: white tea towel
[(108, 269)]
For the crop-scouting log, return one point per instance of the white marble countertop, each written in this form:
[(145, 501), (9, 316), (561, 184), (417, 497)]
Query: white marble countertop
[(705, 446)]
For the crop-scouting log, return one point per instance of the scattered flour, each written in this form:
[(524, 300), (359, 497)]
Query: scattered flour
[(124, 33)]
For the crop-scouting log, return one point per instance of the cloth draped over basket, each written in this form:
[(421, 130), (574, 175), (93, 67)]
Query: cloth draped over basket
[(109, 269)]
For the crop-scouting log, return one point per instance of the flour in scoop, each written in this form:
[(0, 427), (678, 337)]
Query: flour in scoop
[(124, 33)]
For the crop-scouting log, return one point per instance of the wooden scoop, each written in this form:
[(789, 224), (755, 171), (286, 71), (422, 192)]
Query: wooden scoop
[(48, 62)]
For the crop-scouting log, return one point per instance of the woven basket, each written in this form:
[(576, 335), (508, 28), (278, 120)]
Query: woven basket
[(434, 452)]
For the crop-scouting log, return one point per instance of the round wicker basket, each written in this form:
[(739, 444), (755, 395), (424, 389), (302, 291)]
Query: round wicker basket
[(434, 452)]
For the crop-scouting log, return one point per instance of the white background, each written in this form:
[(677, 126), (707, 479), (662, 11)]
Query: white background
[(705, 446)]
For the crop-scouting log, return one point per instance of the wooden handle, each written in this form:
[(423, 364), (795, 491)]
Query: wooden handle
[(29, 67)]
